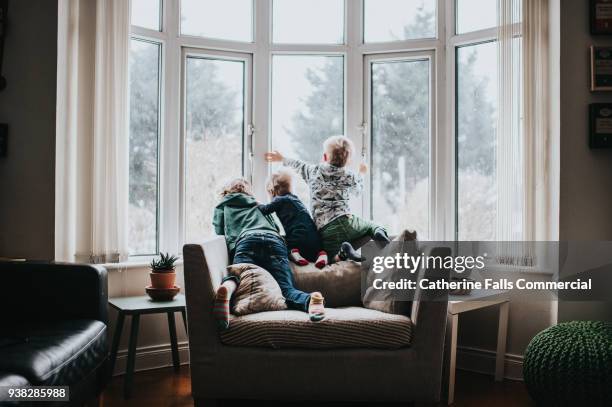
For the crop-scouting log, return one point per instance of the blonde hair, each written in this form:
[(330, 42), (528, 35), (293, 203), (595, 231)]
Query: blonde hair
[(237, 186), (279, 183), (339, 150)]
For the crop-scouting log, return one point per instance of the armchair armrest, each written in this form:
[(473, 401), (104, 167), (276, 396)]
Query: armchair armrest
[(205, 265), (429, 312), (56, 291)]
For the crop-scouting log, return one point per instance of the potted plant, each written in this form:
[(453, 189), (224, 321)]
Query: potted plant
[(163, 274)]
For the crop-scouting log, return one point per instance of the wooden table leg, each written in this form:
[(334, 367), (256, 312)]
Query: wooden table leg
[(129, 374), (502, 333), (116, 340), (452, 323), (173, 341)]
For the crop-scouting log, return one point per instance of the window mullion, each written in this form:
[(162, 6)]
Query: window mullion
[(353, 88), (261, 94), (170, 152)]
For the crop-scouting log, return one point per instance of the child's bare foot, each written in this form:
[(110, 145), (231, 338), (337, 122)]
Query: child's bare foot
[(221, 307), (347, 252), (316, 308), (297, 258), (321, 260)]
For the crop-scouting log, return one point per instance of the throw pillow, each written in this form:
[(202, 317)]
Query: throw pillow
[(258, 291), (340, 283), (385, 300)]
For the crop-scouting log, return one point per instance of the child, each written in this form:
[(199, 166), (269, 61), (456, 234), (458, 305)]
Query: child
[(331, 186), (302, 237), (253, 238)]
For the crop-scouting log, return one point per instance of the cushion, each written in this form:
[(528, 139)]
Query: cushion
[(55, 353), (258, 291), (352, 327), (340, 283), (386, 300)]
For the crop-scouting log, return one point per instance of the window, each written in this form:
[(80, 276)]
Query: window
[(221, 82), (395, 20), (144, 146), (474, 15), (307, 106), (476, 141), (227, 19), (214, 136), (293, 21), (146, 14), (400, 139)]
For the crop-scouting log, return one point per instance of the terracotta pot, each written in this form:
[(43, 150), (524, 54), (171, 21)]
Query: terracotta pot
[(163, 280)]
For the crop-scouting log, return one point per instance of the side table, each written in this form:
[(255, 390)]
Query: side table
[(458, 304), (135, 307)]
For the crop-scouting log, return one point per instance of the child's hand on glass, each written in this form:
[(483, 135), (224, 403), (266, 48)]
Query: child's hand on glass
[(363, 168), (273, 156)]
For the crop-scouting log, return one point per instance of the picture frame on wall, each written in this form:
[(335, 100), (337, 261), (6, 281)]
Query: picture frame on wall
[(601, 17), (601, 69), (600, 125)]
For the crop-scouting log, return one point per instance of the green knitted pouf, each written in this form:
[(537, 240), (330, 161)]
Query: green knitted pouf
[(570, 364)]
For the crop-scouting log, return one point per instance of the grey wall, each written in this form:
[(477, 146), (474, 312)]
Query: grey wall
[(28, 106), (585, 205)]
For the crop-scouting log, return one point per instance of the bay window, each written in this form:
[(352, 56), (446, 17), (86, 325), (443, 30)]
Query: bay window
[(216, 84)]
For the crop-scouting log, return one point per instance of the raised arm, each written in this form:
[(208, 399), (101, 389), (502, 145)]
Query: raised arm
[(305, 170)]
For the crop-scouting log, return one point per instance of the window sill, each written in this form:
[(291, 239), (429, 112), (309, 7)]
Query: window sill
[(136, 263), (519, 269)]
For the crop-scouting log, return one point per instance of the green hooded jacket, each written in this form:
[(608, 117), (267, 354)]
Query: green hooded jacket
[(237, 214)]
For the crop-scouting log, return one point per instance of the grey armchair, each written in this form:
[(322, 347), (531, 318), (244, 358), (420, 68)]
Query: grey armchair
[(219, 371)]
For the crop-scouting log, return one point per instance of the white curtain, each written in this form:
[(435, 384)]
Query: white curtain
[(522, 127), (92, 131)]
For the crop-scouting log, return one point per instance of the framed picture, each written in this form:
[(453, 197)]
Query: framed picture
[(601, 68), (601, 17), (600, 132)]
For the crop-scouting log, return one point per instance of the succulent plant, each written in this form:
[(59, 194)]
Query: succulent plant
[(165, 263)]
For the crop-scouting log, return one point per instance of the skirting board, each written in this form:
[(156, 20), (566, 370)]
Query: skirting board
[(483, 361), (151, 357), (471, 359)]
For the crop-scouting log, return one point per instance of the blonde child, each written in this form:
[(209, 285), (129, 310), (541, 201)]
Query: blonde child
[(331, 187)]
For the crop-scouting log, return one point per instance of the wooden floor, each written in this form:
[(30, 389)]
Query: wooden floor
[(164, 388)]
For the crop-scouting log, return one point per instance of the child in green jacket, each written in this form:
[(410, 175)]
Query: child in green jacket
[(253, 238)]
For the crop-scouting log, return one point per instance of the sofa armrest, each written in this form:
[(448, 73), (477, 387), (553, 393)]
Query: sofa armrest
[(205, 265), (56, 291), (429, 312)]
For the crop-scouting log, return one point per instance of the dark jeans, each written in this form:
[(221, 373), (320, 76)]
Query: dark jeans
[(269, 252)]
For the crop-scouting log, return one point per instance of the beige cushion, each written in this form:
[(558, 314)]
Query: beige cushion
[(258, 291), (385, 300), (352, 327), (340, 283)]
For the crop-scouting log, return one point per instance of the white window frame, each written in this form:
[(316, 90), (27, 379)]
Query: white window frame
[(247, 133), (356, 54), (370, 59)]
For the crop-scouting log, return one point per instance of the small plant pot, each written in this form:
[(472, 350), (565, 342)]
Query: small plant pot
[(163, 280)]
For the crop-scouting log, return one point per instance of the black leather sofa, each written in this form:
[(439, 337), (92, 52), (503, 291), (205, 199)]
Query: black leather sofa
[(53, 329)]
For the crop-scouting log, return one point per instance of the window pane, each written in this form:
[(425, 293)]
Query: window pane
[(400, 145), (473, 15), (144, 138), (396, 20), (227, 19), (214, 125), (307, 106), (476, 141), (308, 21), (146, 14)]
